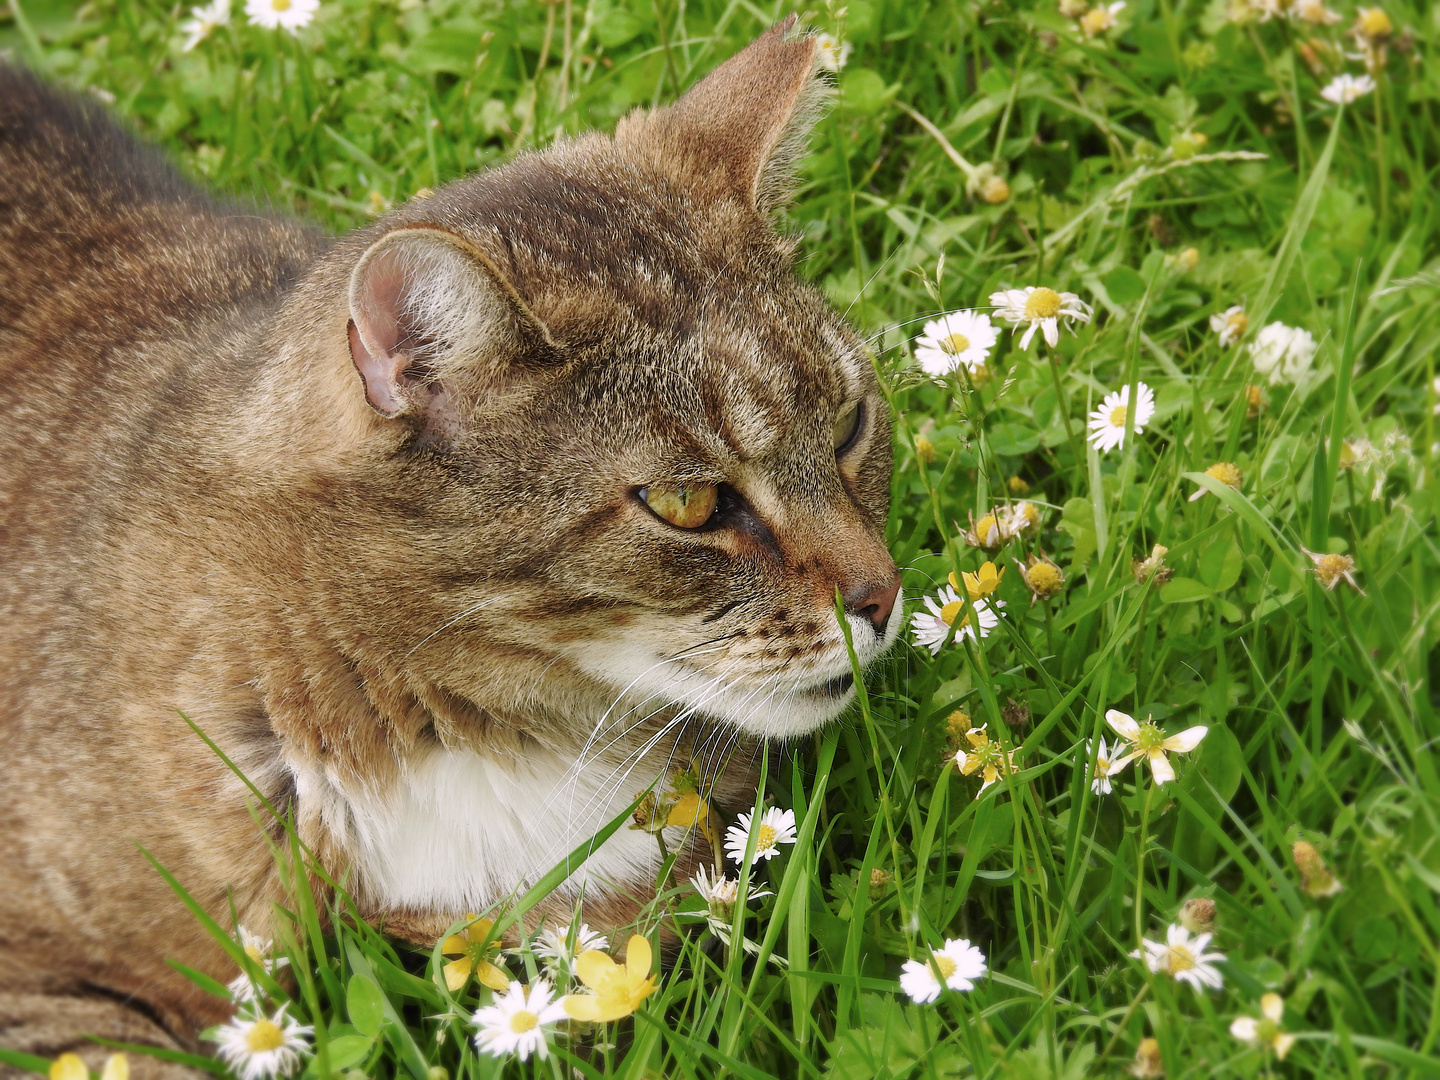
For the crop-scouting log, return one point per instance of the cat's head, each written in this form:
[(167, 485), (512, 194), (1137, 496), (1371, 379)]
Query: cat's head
[(636, 451)]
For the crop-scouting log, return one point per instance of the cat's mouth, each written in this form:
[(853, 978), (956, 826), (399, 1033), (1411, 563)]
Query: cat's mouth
[(834, 688)]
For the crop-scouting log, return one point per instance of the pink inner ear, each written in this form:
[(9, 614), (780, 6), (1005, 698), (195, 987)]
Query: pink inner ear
[(381, 374), (375, 333)]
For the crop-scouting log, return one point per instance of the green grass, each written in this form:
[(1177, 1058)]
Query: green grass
[(1320, 705)]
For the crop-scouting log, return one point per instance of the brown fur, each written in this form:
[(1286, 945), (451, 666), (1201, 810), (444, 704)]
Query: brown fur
[(200, 510)]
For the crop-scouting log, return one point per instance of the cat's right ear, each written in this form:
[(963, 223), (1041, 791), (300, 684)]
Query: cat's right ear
[(434, 326)]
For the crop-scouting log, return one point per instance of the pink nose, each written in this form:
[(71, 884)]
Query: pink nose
[(874, 604)]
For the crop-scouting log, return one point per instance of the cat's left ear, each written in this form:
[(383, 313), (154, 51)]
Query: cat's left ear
[(740, 131), (435, 326)]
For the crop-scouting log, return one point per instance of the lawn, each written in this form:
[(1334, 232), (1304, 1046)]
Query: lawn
[(1256, 261)]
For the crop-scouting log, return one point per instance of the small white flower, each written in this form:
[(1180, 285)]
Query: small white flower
[(833, 53), (720, 893), (514, 1023), (1343, 89), (961, 337), (1042, 308), (242, 988), (261, 1047), (205, 21), (1111, 421), (1266, 1030), (281, 14), (960, 964), (1282, 353), (932, 627), (1184, 958), (1230, 324), (1314, 12), (1100, 18), (776, 827), (552, 945), (1149, 742), (1105, 766)]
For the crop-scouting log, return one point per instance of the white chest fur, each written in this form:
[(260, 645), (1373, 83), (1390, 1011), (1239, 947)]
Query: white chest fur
[(460, 831)]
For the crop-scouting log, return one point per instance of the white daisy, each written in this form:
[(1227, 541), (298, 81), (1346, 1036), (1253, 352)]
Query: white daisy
[(1343, 89), (553, 946), (833, 53), (1106, 766), (281, 14), (776, 827), (960, 964), (1282, 353), (242, 988), (1184, 958), (205, 21), (932, 627), (1148, 741), (514, 1023), (261, 1047), (1314, 12), (961, 337), (1110, 422), (1230, 324), (1042, 308)]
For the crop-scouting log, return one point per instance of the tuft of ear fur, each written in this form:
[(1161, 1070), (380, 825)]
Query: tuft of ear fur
[(741, 129), (434, 325)]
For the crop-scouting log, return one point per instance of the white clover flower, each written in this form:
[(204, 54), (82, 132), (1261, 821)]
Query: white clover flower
[(1042, 308), (204, 21), (960, 964), (514, 1023), (1184, 958), (1111, 421), (1343, 89), (961, 337), (553, 946), (262, 1047), (242, 988), (1230, 324), (1282, 353), (833, 53), (1266, 1030), (281, 14), (775, 827), (1105, 766), (1151, 743), (932, 627)]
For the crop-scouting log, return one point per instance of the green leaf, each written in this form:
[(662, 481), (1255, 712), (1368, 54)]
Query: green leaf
[(1013, 440), (348, 1050), (1219, 566), (1124, 285), (1183, 590), (366, 1005), (862, 90)]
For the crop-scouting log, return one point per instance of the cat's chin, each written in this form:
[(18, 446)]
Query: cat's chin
[(780, 706)]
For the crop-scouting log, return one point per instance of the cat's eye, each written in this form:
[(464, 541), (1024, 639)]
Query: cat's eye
[(847, 427), (684, 507)]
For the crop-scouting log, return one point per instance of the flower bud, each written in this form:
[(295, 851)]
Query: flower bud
[(1198, 915)]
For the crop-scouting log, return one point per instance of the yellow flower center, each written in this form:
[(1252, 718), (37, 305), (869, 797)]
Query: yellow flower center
[(954, 344), (253, 951), (950, 610), (1045, 578), (1178, 958), (1117, 416), (523, 1020), (1332, 567), (280, 5), (1373, 23), (1237, 322), (765, 838), (1225, 472), (264, 1035), (1043, 303), (985, 527), (945, 964)]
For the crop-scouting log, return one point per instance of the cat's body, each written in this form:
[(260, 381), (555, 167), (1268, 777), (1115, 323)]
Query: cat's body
[(376, 514)]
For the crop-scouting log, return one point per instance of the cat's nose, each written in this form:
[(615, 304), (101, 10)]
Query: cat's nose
[(874, 604)]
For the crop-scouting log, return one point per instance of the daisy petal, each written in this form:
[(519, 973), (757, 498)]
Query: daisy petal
[(1187, 740)]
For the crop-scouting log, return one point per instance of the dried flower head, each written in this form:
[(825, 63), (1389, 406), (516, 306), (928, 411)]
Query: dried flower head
[(1016, 714), (1152, 566), (1018, 485), (1042, 577), (1254, 401), (1333, 569), (1226, 473), (987, 185), (1198, 914), (1148, 1064), (1315, 877), (879, 883)]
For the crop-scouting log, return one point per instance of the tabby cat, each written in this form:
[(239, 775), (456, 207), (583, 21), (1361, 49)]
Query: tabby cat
[(453, 534)]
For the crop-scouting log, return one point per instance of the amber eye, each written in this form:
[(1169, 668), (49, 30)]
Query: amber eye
[(847, 426), (683, 507)]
